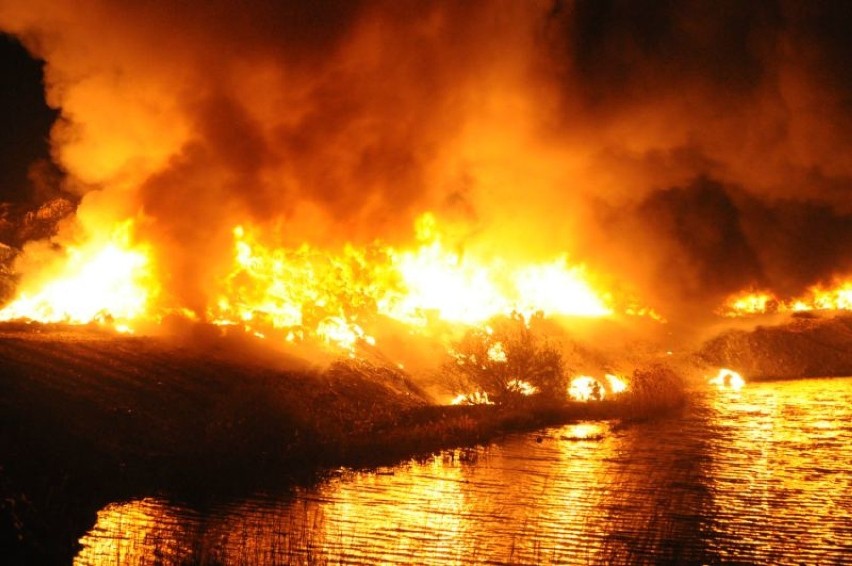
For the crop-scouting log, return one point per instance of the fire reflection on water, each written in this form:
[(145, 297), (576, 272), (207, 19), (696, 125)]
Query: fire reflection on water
[(138, 532), (786, 472), (756, 475)]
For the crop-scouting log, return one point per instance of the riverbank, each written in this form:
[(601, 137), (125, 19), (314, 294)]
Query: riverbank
[(90, 417), (803, 345)]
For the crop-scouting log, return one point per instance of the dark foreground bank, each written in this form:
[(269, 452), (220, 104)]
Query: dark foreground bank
[(90, 417)]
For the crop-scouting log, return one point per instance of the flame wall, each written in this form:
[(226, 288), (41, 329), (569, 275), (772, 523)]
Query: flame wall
[(690, 148)]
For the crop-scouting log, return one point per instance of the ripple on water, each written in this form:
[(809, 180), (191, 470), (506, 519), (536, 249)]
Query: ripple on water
[(759, 475)]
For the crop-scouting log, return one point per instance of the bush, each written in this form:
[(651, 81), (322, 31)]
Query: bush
[(502, 357), (653, 389)]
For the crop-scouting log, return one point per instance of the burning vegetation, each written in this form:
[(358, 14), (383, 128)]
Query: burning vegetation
[(448, 188), (836, 296), (262, 167), (539, 210)]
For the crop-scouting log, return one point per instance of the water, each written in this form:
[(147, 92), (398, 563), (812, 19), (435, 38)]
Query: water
[(760, 475)]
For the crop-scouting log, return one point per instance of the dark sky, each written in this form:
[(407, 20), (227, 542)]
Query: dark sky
[(25, 119)]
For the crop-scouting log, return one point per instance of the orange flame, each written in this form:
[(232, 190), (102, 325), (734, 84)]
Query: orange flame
[(586, 388), (471, 290), (523, 387), (728, 379), (333, 295), (475, 398), (306, 292), (616, 384), (99, 281), (836, 296)]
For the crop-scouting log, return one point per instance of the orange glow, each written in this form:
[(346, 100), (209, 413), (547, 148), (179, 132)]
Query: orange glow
[(496, 353), (616, 384), (728, 379), (475, 398), (586, 388), (471, 289), (123, 531), (836, 296), (751, 303), (100, 281), (336, 296), (522, 387)]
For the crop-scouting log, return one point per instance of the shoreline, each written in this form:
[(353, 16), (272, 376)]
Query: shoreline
[(89, 418)]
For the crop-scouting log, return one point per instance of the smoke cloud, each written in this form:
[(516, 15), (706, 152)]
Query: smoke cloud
[(691, 148)]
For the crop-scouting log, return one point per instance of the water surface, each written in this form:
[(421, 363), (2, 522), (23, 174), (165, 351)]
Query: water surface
[(760, 475)]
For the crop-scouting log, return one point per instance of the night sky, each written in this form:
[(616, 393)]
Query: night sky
[(25, 119)]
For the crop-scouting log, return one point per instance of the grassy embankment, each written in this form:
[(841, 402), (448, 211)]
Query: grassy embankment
[(804, 345), (89, 417)]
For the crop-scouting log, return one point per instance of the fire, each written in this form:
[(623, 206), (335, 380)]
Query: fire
[(471, 289), (481, 398), (297, 290), (336, 296), (836, 296), (586, 388), (496, 353), (522, 387), (99, 281), (475, 398), (728, 379), (616, 384)]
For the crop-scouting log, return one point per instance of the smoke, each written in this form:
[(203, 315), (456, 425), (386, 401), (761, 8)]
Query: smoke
[(690, 148), (717, 132)]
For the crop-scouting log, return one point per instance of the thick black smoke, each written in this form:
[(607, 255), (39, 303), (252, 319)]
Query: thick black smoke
[(722, 136)]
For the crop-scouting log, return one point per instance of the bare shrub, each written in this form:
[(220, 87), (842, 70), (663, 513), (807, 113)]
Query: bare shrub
[(499, 358)]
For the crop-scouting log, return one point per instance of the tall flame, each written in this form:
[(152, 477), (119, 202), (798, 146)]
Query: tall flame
[(100, 280), (301, 292), (333, 294)]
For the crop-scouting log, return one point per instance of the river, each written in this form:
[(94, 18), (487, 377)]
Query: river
[(759, 475)]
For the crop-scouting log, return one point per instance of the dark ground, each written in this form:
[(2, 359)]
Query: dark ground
[(89, 417), (804, 345)]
